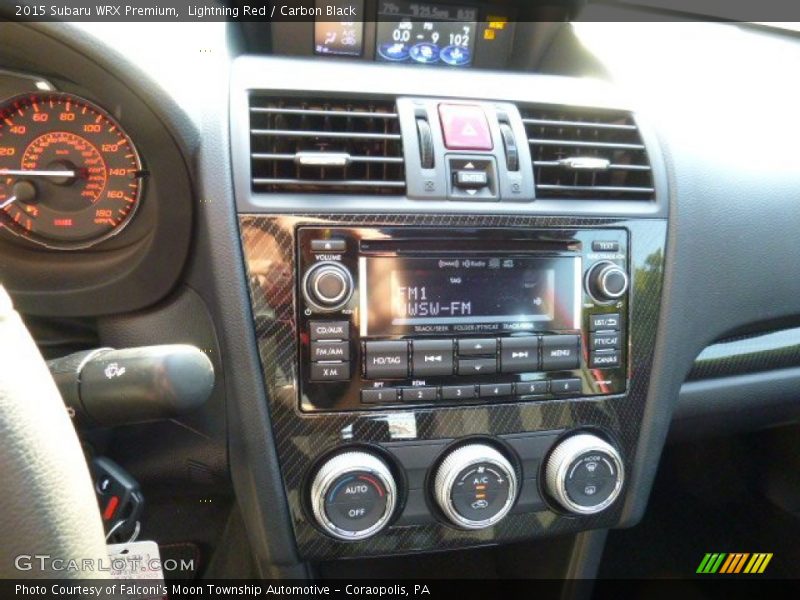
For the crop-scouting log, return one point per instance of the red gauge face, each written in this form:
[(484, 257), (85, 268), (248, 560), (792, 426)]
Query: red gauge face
[(69, 176)]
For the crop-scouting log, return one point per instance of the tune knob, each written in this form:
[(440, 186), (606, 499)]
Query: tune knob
[(475, 486), (584, 474), (607, 281), (353, 495), (328, 285)]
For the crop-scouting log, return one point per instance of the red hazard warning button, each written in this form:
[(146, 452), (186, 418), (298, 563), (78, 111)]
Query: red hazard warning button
[(465, 127)]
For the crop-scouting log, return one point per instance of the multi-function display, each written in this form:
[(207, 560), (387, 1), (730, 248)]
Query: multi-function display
[(469, 294), (423, 33)]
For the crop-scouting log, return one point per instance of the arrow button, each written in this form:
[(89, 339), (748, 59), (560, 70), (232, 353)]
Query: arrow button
[(476, 366)]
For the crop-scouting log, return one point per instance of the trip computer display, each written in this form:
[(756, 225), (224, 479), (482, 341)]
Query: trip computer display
[(427, 34)]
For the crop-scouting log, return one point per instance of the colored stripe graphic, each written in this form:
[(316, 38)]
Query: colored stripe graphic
[(711, 562), (758, 563), (733, 563)]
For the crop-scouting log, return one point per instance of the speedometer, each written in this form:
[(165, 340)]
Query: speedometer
[(69, 175)]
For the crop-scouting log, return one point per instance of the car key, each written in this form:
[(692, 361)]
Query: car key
[(120, 499)]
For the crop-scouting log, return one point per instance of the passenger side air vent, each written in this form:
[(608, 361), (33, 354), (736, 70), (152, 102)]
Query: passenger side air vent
[(587, 154), (325, 145)]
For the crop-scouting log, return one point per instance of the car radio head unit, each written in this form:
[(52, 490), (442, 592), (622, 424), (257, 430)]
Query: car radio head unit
[(395, 316)]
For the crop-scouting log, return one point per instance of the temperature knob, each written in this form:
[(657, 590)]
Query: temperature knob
[(607, 281), (475, 486), (584, 474), (328, 285), (353, 495)]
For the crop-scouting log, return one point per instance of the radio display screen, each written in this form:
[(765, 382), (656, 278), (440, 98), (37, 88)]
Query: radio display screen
[(407, 295), (426, 34)]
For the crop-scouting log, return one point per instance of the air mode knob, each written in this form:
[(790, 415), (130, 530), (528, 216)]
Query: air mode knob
[(353, 495), (328, 285), (607, 281), (475, 486), (584, 474)]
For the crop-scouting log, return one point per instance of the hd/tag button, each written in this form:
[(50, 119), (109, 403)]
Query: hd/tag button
[(386, 360)]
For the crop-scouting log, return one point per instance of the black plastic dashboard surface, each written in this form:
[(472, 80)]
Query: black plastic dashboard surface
[(269, 243)]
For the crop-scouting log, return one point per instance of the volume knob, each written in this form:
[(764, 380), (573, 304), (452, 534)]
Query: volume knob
[(607, 281), (328, 286)]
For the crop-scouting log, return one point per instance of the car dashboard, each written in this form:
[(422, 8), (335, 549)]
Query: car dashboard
[(459, 269)]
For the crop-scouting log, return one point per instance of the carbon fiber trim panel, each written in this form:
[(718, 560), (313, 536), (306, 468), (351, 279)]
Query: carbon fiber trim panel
[(269, 243)]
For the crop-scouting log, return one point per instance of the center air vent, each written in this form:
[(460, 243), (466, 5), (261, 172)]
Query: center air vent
[(325, 146), (587, 154)]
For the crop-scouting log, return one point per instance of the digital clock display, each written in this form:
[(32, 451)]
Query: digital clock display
[(427, 34), (437, 295)]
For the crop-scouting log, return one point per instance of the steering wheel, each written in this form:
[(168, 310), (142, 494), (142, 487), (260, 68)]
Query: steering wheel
[(48, 506)]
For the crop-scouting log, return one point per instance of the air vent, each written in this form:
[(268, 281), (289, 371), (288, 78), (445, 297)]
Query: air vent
[(586, 154), (326, 146)]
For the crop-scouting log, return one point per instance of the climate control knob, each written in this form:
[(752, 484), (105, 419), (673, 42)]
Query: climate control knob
[(607, 281), (584, 474), (328, 285), (475, 486), (353, 495)]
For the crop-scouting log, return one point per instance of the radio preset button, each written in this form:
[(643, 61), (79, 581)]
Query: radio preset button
[(531, 388), (560, 352), (418, 394), (566, 386), (494, 390), (432, 357), (458, 392), (605, 341), (329, 330), (477, 347), (476, 366), (379, 395), (604, 359), (330, 371), (330, 351), (604, 322), (518, 355), (387, 360)]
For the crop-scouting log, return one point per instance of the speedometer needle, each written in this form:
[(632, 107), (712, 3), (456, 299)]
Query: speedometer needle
[(7, 202), (35, 173)]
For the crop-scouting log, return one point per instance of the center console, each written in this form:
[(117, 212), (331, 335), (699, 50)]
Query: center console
[(447, 369)]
